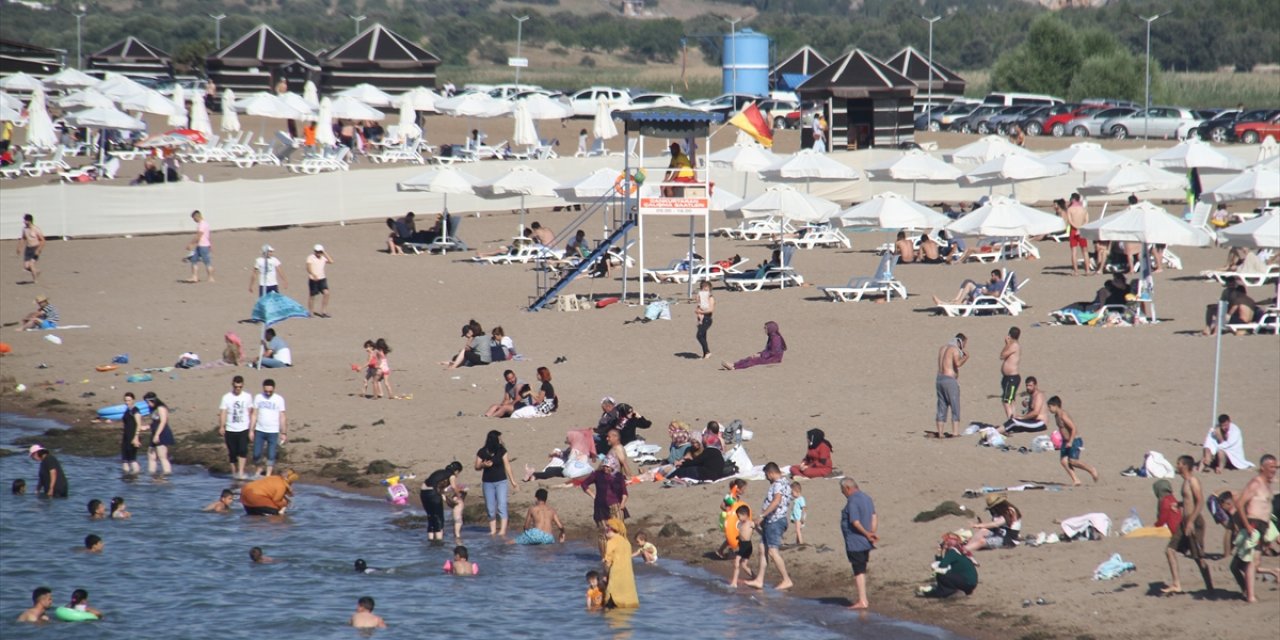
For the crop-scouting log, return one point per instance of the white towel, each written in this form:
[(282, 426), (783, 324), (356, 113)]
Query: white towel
[(1074, 526), (1233, 447)]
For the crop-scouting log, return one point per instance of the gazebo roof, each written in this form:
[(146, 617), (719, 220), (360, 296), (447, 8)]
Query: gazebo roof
[(131, 48), (858, 74), (915, 66), (380, 45), (265, 45)]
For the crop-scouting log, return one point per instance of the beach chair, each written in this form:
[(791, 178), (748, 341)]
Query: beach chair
[(881, 284), (679, 265), (1068, 317), (767, 275), (90, 172), (1267, 322), (1250, 279), (48, 165), (707, 272), (522, 253), (820, 236), (990, 250), (765, 227), (1007, 302), (443, 244)]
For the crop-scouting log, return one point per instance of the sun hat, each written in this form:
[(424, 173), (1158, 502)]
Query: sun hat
[(35, 448), (318, 248), (41, 299), (995, 499), (267, 247)]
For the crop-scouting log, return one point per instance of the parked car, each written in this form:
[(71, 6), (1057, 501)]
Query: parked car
[(1091, 125), (1187, 129), (1156, 122), (803, 116), (958, 109), (775, 111), (646, 100), (1000, 122), (189, 86), (726, 104), (1055, 123), (1221, 128), (1019, 99), (584, 101), (1032, 121), (929, 117), (1255, 131), (509, 91), (969, 123)]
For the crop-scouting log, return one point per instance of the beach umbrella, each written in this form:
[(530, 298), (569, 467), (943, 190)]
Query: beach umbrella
[(9, 101), (349, 108), (179, 116), (200, 116), (1262, 232), (602, 127), (1011, 170), (746, 158), (1003, 217), (808, 165), (21, 82), (118, 87), (196, 137), (266, 105), (70, 78), (1255, 183), (106, 118), (889, 210), (473, 105), (9, 114), (230, 121), (987, 149), (914, 166), (1147, 223), (408, 118), (87, 98), (299, 104), (542, 107), (526, 132), (369, 95), (1087, 157), (1194, 153), (520, 181), (1268, 150), (147, 101), (443, 180), (423, 99), (324, 124), (723, 199), (310, 95), (785, 203), (40, 131), (591, 187), (273, 308), (1134, 177)]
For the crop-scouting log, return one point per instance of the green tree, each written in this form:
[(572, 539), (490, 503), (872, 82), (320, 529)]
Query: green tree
[(1117, 74), (1045, 63)]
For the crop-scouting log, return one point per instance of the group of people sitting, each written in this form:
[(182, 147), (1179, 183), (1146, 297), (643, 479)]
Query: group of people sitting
[(521, 400), (480, 348), (927, 250), (1240, 308), (405, 230)]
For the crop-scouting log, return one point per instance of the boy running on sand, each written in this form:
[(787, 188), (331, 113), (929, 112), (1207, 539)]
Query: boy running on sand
[(364, 617), (1071, 442)]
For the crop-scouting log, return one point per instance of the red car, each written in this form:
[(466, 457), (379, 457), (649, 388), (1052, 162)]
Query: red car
[(1056, 124), (1255, 132)]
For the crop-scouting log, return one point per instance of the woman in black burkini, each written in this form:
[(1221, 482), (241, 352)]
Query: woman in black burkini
[(705, 463), (432, 495), (129, 440)]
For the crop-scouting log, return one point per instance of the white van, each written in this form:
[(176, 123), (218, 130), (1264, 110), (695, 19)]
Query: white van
[(1019, 99)]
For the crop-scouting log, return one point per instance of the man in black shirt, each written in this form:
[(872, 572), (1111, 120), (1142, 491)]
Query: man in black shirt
[(53, 482)]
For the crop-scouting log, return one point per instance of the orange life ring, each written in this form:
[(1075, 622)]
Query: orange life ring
[(620, 189)]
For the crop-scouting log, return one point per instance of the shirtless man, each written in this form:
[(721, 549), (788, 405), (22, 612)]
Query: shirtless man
[(903, 247), (1189, 538), (364, 618), (1071, 442), (542, 235), (30, 246), (929, 252), (41, 602), (947, 384), (1033, 420), (1010, 357), (540, 521), (1077, 216), (1255, 508)]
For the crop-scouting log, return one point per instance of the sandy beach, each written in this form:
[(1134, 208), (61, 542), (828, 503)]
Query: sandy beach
[(863, 372)]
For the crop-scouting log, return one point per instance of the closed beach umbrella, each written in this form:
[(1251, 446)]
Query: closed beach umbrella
[(310, 95), (179, 116), (1194, 153), (1256, 183), (423, 99), (368, 94), (526, 133), (70, 78), (20, 82), (230, 119), (593, 186), (1003, 217), (473, 105), (40, 131), (443, 180), (987, 149), (408, 118), (148, 101), (87, 98), (349, 108), (324, 124), (1148, 223), (602, 127), (519, 181), (200, 116), (106, 118), (1262, 232), (889, 210), (1134, 177)]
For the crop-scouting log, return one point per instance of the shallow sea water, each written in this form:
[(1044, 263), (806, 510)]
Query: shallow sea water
[(174, 572)]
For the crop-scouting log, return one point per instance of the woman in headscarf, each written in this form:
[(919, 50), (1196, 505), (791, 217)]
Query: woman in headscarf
[(233, 353), (679, 432), (774, 346), (954, 569), (703, 464), (620, 592), (817, 460), (609, 489)]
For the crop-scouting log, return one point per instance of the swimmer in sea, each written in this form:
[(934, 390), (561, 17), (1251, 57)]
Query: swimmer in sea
[(80, 602), (223, 503), (41, 602), (364, 617), (461, 565), (97, 511), (256, 555), (93, 544)]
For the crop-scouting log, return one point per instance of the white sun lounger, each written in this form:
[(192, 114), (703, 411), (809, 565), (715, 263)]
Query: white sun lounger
[(820, 236), (1007, 302), (1267, 322), (1249, 279), (881, 284)]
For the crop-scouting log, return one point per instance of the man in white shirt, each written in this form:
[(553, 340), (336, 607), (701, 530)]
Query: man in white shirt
[(233, 425), (267, 425), (267, 276), (275, 351), (317, 283)]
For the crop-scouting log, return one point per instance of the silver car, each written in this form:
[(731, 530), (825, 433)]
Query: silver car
[(1090, 126), (1156, 122)]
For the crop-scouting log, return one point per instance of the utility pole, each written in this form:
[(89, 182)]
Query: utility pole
[(1146, 107), (733, 51), (79, 17), (217, 29), (928, 105), (519, 40), (358, 20)]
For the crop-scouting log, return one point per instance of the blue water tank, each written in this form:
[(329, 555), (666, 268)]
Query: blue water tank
[(746, 63)]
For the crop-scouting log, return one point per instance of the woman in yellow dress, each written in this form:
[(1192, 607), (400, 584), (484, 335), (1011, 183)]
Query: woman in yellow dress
[(621, 589)]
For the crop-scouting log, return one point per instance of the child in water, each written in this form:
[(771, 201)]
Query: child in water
[(364, 617), (223, 503), (96, 510), (460, 565), (595, 595), (19, 487), (93, 544), (645, 548), (118, 509), (256, 555), (80, 602), (746, 527)]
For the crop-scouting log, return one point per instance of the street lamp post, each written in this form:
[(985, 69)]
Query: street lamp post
[(217, 29), (733, 52), (520, 20), (79, 17), (1146, 107), (928, 105), (358, 20)]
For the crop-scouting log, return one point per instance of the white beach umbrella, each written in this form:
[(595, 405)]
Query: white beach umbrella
[(473, 105), (1011, 170), (1145, 222), (9, 101), (324, 124), (408, 118), (200, 116), (266, 105), (723, 199), (593, 186), (310, 95), (21, 82), (602, 127), (520, 181), (784, 202), (230, 119), (9, 114), (368, 94), (88, 98), (349, 108), (807, 165), (179, 116), (889, 210), (1087, 157), (147, 101), (118, 87), (70, 78), (914, 166), (1255, 183), (1268, 150), (526, 133), (299, 104), (987, 149), (1003, 217), (1134, 177), (443, 180), (106, 118), (40, 131), (1194, 153), (747, 158), (542, 107), (1261, 232), (423, 99)]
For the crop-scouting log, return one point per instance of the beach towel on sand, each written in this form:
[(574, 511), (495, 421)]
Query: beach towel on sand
[(1157, 466), (1072, 527), (1114, 567)]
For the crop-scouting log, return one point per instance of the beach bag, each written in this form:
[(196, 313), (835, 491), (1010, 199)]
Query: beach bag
[(1131, 523), (188, 360), (1042, 443), (1157, 466)]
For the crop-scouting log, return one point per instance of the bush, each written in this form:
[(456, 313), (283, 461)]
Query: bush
[(588, 62), (1117, 74), (1045, 63)]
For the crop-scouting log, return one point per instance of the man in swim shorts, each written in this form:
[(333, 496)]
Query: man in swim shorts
[(1077, 216), (1255, 508), (317, 283), (540, 521), (947, 384), (1010, 357), (1188, 537), (30, 245)]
